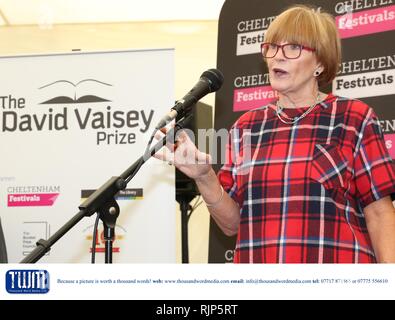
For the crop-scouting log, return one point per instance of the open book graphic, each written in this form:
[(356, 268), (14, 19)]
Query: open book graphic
[(84, 91)]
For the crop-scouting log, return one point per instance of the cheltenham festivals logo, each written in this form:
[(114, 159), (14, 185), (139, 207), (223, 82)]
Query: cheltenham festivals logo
[(32, 196), (27, 281), (64, 105), (358, 18), (388, 128), (366, 77)]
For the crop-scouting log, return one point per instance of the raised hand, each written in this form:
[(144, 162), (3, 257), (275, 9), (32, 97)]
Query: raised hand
[(184, 155)]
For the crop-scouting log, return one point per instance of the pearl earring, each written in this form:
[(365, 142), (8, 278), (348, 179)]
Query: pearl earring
[(317, 73)]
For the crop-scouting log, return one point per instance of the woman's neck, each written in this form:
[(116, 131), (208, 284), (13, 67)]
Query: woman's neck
[(289, 100)]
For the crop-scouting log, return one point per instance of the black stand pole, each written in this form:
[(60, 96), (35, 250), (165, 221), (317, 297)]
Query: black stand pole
[(184, 197), (103, 202), (185, 207), (109, 215)]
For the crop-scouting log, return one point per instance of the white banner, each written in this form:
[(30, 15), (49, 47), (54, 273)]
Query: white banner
[(68, 123), (194, 282)]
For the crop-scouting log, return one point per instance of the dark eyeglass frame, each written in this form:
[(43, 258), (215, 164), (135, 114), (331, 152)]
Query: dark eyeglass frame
[(302, 47)]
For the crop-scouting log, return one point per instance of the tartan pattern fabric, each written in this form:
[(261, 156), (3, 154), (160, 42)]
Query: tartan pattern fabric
[(302, 188)]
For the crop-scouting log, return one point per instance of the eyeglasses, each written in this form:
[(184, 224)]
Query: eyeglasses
[(290, 50)]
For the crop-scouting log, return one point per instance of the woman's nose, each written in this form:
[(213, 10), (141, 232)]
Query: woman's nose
[(280, 54)]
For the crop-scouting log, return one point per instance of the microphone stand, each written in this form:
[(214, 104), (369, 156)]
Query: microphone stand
[(103, 202)]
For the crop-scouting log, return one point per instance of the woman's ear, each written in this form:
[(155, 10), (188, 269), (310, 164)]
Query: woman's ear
[(318, 70)]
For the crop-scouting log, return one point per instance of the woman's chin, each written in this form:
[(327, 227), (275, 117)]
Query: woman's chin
[(279, 88)]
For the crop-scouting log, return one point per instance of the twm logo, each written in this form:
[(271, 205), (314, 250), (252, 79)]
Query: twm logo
[(27, 281)]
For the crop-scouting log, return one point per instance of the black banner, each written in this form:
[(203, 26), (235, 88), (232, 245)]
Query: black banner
[(367, 30)]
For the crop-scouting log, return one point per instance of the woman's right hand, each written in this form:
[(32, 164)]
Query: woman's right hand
[(184, 155)]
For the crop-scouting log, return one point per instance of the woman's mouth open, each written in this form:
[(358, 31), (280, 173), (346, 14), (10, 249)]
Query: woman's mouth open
[(278, 72)]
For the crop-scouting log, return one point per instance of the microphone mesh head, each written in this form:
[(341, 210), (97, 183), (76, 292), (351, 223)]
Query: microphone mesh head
[(214, 77)]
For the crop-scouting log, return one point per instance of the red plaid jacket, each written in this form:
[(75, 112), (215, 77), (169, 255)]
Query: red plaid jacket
[(302, 188)]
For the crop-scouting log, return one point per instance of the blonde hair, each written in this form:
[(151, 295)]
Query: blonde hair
[(303, 25)]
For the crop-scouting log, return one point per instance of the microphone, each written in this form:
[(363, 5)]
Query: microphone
[(210, 81)]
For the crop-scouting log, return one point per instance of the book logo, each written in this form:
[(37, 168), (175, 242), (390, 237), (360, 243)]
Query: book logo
[(66, 92)]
